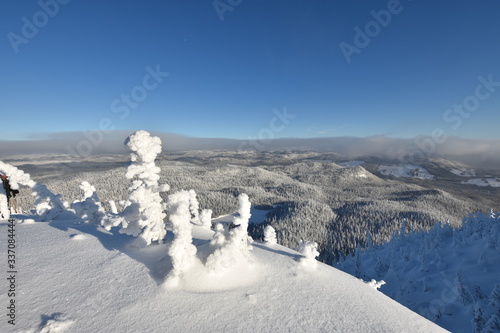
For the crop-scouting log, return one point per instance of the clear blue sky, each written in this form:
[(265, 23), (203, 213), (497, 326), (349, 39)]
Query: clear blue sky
[(226, 76)]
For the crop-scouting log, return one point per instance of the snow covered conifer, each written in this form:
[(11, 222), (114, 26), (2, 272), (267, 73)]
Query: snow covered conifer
[(47, 204), (237, 245), (239, 233), (182, 251), (4, 207), (270, 235), (194, 207), (309, 251), (143, 217), (90, 207), (206, 218)]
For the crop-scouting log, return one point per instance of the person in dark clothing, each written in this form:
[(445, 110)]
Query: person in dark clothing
[(11, 194)]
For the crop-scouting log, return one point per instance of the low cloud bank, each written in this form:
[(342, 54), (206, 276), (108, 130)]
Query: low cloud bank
[(485, 153)]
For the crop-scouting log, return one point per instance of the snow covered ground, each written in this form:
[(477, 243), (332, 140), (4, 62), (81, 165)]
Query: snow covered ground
[(463, 172), (406, 170), (353, 163), (78, 277), (258, 216), (493, 182)]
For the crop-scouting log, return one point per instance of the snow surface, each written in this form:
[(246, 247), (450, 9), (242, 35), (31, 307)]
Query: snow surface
[(406, 170), (493, 182), (79, 277), (353, 163), (257, 216), (463, 172)]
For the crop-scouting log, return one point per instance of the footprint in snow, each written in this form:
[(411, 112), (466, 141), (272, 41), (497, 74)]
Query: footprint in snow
[(56, 323)]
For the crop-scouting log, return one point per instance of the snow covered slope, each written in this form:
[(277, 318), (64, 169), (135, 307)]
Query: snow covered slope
[(78, 277), (406, 170), (449, 275)]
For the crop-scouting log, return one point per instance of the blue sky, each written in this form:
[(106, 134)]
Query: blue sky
[(231, 63)]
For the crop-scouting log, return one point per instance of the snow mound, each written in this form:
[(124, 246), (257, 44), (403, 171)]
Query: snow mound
[(78, 236), (202, 279), (406, 170)]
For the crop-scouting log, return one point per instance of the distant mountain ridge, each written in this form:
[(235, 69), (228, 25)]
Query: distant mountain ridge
[(476, 152)]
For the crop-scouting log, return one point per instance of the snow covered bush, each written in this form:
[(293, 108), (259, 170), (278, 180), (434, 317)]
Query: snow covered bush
[(270, 235), (89, 208), (236, 246), (310, 251), (47, 204), (4, 207), (375, 284), (206, 218), (182, 251), (143, 216)]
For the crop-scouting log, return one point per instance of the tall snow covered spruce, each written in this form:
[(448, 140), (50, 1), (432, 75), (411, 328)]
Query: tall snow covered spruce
[(182, 251), (143, 217)]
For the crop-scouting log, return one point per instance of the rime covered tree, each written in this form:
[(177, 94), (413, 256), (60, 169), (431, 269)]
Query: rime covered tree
[(47, 204), (182, 251), (236, 246), (143, 216), (89, 208)]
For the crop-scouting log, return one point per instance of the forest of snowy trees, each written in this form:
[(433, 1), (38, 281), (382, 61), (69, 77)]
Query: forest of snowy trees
[(448, 275)]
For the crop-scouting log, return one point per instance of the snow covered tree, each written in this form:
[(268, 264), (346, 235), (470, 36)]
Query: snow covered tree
[(270, 235), (194, 207), (309, 250), (143, 217), (236, 247), (90, 208), (463, 289), (4, 207), (182, 251), (206, 218), (478, 321), (47, 204)]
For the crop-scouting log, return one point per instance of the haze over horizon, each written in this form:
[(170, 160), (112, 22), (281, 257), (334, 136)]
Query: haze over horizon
[(247, 70)]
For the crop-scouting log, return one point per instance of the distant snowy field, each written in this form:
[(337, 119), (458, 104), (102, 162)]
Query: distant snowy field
[(493, 182), (406, 170), (78, 277), (353, 163), (464, 172)]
